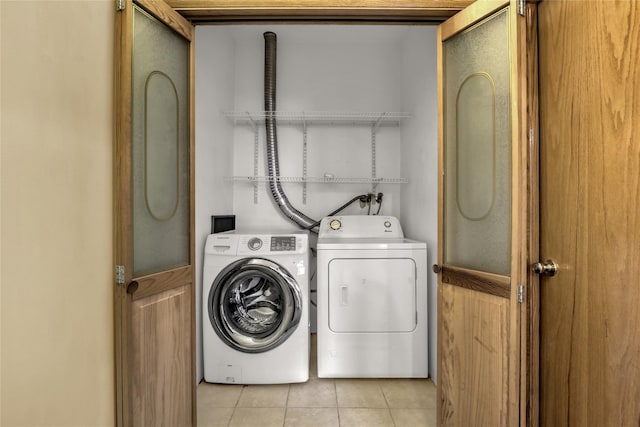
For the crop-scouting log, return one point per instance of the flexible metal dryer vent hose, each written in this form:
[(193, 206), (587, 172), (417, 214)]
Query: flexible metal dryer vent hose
[(273, 168)]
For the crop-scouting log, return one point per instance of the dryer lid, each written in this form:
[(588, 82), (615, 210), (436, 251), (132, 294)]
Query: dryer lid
[(332, 243)]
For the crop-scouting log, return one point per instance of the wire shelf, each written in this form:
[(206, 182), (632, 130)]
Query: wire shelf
[(310, 179), (374, 120), (388, 118)]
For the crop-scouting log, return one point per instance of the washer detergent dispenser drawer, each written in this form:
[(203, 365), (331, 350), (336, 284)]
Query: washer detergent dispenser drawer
[(367, 295)]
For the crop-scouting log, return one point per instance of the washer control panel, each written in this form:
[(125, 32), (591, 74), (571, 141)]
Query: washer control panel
[(360, 227), (283, 243), (234, 243), (254, 243)]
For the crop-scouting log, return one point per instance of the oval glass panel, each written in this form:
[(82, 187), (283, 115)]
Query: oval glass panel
[(161, 146), (475, 129)]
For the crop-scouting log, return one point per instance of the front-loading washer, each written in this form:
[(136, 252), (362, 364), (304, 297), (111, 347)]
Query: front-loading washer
[(256, 308), (372, 299)]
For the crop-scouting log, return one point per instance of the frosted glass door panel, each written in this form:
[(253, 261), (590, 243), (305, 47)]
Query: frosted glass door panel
[(160, 123), (477, 148), (372, 295)]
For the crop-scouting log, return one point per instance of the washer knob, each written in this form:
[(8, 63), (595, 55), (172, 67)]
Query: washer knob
[(387, 224), (335, 224), (255, 243)]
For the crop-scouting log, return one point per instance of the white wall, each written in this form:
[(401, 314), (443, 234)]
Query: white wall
[(57, 263), (215, 82), (326, 68), (319, 68), (419, 207)]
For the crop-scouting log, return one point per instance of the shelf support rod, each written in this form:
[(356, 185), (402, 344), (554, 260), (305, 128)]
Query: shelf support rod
[(376, 125), (374, 130), (373, 158), (256, 146), (304, 160)]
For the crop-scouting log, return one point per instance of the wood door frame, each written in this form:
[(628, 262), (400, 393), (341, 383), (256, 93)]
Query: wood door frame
[(122, 193), (530, 313), (398, 12), (323, 10)]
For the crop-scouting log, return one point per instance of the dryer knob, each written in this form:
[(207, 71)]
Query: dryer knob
[(335, 224)]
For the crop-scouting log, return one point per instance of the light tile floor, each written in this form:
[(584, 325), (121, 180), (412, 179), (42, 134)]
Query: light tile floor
[(320, 402)]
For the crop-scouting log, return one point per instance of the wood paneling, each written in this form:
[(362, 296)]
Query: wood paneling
[(164, 13), (473, 342), (480, 281), (155, 322), (154, 283), (160, 331), (474, 13), (485, 301), (590, 221), (122, 199), (483, 373), (354, 10), (530, 314)]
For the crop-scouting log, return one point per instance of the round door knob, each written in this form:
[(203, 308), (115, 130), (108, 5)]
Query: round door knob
[(436, 268), (548, 268)]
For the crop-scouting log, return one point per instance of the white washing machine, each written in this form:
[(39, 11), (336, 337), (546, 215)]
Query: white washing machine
[(255, 296), (372, 299)]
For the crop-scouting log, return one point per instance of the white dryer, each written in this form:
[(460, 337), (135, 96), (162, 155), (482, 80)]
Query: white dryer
[(372, 299), (256, 308)]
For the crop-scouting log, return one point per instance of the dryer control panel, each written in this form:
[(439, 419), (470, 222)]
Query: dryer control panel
[(360, 227)]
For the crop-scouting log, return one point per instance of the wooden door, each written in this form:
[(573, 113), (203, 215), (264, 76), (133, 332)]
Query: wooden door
[(487, 224), (154, 297), (590, 212)]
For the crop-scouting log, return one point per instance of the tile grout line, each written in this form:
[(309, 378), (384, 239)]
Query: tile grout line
[(388, 397), (235, 408), (286, 405), (335, 389), (384, 395)]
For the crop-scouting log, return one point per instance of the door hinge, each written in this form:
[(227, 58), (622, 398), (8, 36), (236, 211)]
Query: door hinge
[(520, 294), (120, 274), (531, 136), (120, 5), (522, 9)]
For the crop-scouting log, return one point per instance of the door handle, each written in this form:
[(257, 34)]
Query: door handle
[(548, 268), (132, 287), (436, 268), (344, 295)]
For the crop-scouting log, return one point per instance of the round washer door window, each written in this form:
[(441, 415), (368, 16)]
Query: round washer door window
[(254, 305)]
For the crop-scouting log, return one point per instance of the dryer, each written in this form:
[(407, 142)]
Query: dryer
[(372, 299), (256, 308)]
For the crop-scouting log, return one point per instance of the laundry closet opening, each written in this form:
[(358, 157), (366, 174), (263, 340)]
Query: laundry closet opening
[(358, 107)]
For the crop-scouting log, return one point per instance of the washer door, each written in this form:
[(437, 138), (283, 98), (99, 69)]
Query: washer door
[(254, 305)]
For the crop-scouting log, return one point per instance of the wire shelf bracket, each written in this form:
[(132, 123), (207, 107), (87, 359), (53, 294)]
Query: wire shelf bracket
[(254, 119)]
